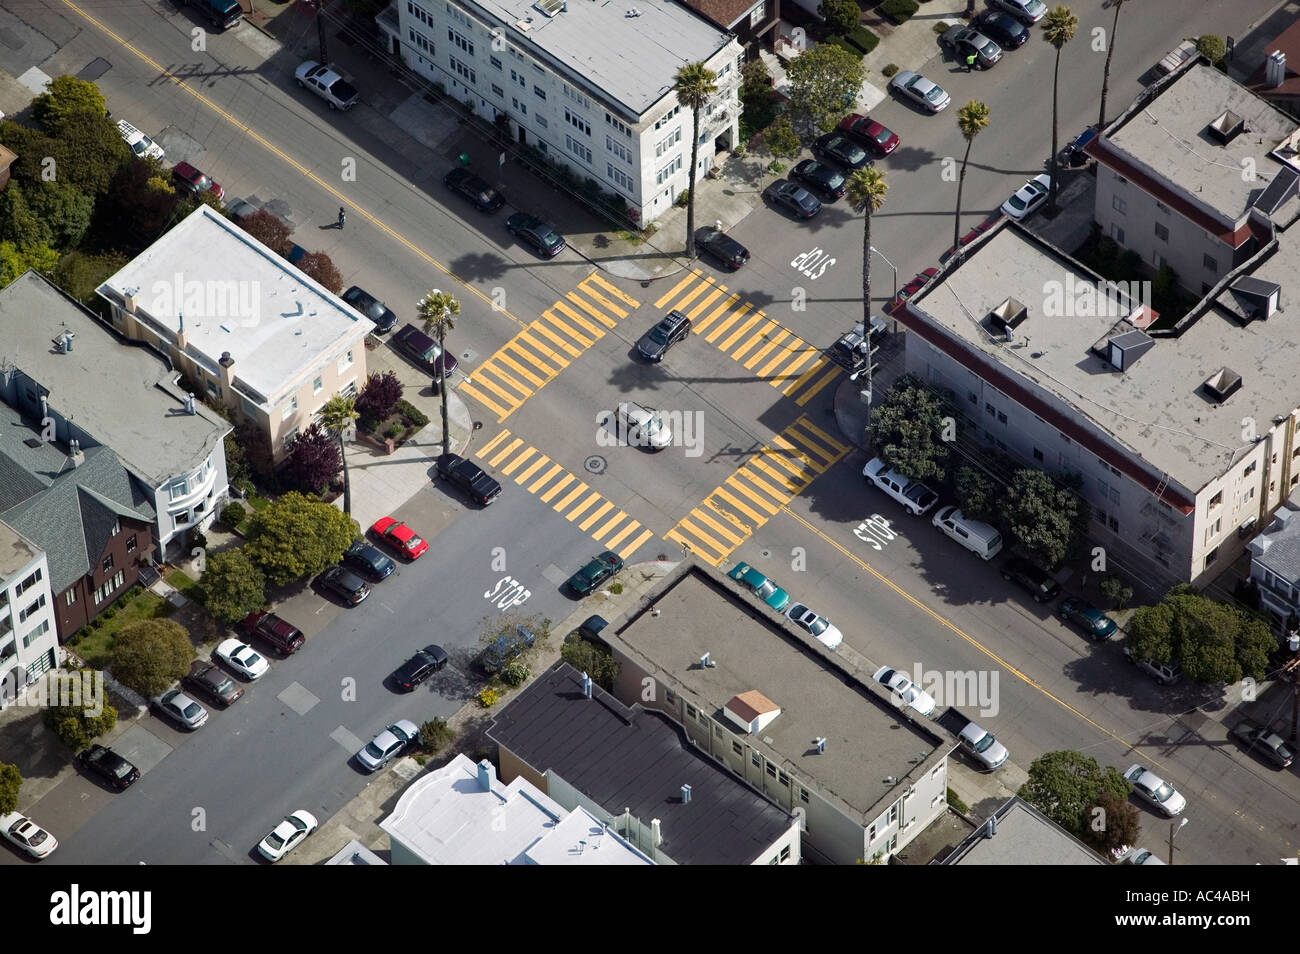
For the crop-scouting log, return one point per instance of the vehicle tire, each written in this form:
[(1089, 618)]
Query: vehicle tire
[(301, 84), (330, 104)]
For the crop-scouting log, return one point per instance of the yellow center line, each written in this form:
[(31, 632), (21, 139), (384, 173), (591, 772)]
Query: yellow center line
[(285, 157)]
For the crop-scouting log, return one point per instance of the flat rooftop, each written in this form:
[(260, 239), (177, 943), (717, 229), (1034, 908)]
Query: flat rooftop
[(637, 759), (16, 553), (867, 739), (632, 59), (1022, 836), (1169, 136), (1156, 408), (145, 422), (236, 295)]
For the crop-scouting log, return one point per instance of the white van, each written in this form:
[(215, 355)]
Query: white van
[(979, 538)]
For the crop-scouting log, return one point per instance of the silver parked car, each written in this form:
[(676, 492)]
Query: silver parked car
[(387, 745)]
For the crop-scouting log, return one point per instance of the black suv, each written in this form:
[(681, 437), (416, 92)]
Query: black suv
[(284, 637), (374, 309), (729, 253), (344, 584), (654, 344), (420, 667), (484, 197), (1041, 587), (369, 560), (469, 477), (114, 770), (214, 684)]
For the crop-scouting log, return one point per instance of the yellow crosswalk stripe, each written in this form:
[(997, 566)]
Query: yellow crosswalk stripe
[(510, 399), (582, 488), (596, 515), (668, 295), (782, 356), (832, 372), (523, 455), (501, 412), (492, 444), (533, 468), (506, 452), (617, 538), (595, 313), (802, 356), (708, 300), (550, 494), (603, 301), (700, 326), (511, 362), (698, 290), (754, 339), (609, 525), (635, 545), (578, 320), (731, 320), (771, 343), (739, 333), (595, 278)]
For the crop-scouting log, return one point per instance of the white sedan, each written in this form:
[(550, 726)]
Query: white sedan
[(919, 90), (387, 745), (819, 626), (1031, 195), (642, 427), (903, 691), (243, 658), (287, 835), (1155, 790), (27, 835)]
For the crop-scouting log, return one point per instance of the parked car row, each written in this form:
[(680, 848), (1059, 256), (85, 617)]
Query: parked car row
[(816, 625)]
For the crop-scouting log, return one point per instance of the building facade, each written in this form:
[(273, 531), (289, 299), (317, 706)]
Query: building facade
[(28, 639), (588, 85), (752, 23)]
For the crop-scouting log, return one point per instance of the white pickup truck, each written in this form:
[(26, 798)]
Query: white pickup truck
[(974, 739), (912, 494)]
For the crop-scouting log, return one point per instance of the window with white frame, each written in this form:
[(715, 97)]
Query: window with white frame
[(498, 92), (539, 92), (36, 633), (31, 609), (518, 79), (461, 70), (316, 385), (618, 124), (464, 42), (415, 10), (577, 122), (32, 579), (420, 41), (663, 120), (618, 149), (619, 177), (494, 61), (541, 121), (521, 107), (668, 171), (289, 409), (345, 361), (577, 97), (577, 148), (289, 437), (672, 139), (756, 15)]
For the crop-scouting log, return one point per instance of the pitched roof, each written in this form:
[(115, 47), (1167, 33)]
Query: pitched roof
[(722, 12)]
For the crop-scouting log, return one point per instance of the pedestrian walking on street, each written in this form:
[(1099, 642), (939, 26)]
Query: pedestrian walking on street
[(970, 62), (342, 216)]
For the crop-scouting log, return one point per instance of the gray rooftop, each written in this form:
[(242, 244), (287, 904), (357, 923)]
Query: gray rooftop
[(237, 295), (144, 421), (638, 759), (16, 553), (1022, 836), (1168, 135), (867, 739), (1277, 549), (632, 59), (66, 511), (1157, 408)]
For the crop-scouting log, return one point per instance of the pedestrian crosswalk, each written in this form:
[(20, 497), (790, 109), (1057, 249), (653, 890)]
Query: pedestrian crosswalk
[(528, 362), (747, 499), (568, 496), (797, 369)]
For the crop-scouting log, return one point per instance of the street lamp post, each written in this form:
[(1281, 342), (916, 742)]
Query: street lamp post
[(1174, 829)]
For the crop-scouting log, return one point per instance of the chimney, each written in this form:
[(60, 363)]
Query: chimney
[(486, 775), (189, 404), (1275, 69), (686, 794), (182, 339), (586, 686), (227, 364), (129, 300), (65, 341), (74, 453), (656, 835), (991, 828)]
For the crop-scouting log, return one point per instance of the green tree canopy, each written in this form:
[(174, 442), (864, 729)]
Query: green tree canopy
[(233, 585), (1064, 785), (823, 81), (1213, 641), (151, 654), (977, 494), (11, 782), (296, 537), (66, 211), (1212, 47), (14, 260), (65, 97), (1048, 520), (907, 428), (841, 16), (80, 273), (1110, 823), (781, 139), (596, 661)]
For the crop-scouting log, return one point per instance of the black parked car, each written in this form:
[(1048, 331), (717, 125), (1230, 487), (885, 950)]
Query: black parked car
[(1032, 578), (420, 667), (819, 177), (469, 477), (534, 232), (372, 308), (654, 344), (1003, 29), (424, 351), (842, 151), (110, 767), (369, 560), (344, 584), (795, 199), (484, 197), (212, 683), (729, 253)]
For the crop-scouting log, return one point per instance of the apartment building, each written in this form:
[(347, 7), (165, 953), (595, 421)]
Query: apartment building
[(588, 84), (1275, 565), (1019, 834), (1193, 173), (263, 340), (751, 22), (79, 385), (28, 641)]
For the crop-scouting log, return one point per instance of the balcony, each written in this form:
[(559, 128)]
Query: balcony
[(198, 486)]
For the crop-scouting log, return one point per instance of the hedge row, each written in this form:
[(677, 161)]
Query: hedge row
[(863, 39), (900, 11)]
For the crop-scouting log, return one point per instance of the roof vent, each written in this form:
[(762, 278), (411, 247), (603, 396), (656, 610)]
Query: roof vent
[(550, 8), (1226, 128), (1221, 384), (1258, 298), (633, 12), (1275, 69), (1122, 351), (1005, 317), (686, 794), (189, 404)]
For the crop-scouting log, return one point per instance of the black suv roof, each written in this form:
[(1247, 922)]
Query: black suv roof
[(470, 477)]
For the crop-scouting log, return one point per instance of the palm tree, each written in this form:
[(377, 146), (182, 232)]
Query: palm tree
[(1058, 29), (1105, 76), (865, 191), (695, 85), (336, 417), (437, 310), (971, 120)]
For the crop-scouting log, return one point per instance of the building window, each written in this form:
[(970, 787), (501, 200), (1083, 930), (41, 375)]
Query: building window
[(290, 436), (420, 41), (785, 854), (345, 361), (672, 139), (494, 61), (108, 563), (32, 579), (737, 748), (871, 833), (463, 42), (1210, 264), (498, 91), (670, 696), (989, 409), (577, 97), (1100, 515), (1211, 557), (619, 125), (1038, 455), (130, 543), (973, 398), (36, 633), (541, 121), (1114, 525), (1117, 233), (522, 107), (667, 172), (1002, 417), (1118, 204), (771, 769), (668, 115), (539, 92), (577, 122), (618, 149), (1216, 500), (290, 409), (70, 597), (690, 711), (36, 605), (316, 385), (518, 78), (578, 149), (803, 795), (461, 70), (619, 177), (783, 779), (756, 15), (753, 758), (1162, 232)]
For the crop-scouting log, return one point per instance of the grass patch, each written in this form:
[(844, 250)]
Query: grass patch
[(253, 503), (186, 584), (629, 236), (96, 643)]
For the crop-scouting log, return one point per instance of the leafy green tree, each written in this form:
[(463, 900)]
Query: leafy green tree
[(80, 273), (88, 154), (907, 429), (1064, 785), (755, 79), (977, 494), (438, 310), (11, 782), (150, 654), (1058, 29), (237, 470), (64, 97), (436, 735), (696, 84), (65, 210), (1116, 590), (19, 222), (972, 119), (77, 726), (1110, 824), (337, 416), (865, 191), (1048, 520), (233, 585), (14, 260), (140, 205), (781, 139), (296, 536), (1213, 641), (842, 16), (1212, 47), (822, 81), (596, 661)]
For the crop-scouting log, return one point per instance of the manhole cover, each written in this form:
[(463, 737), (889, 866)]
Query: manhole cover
[(595, 464), (765, 553)]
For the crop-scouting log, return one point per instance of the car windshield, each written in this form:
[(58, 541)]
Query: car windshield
[(140, 145), (201, 181), (274, 840), (1019, 200), (882, 135), (191, 711), (934, 94), (984, 743), (37, 837), (817, 625), (374, 751), (651, 426), (766, 590), (659, 333), (548, 235), (1162, 793)]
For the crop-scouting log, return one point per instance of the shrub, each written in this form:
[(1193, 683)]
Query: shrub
[(413, 414), (1115, 590), (488, 697), (436, 735), (232, 514), (941, 27), (890, 70), (108, 613), (863, 39), (900, 11), (380, 395), (844, 45), (776, 168), (954, 800), (198, 538), (684, 197), (616, 588), (515, 674), (395, 430)]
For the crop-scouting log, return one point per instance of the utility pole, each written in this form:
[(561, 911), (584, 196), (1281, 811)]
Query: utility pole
[(1174, 828), (320, 30), (1292, 669)]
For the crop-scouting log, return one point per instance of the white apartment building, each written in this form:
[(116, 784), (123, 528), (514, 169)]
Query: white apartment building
[(28, 640), (588, 84)]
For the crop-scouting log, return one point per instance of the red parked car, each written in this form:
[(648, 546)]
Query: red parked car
[(195, 182), (401, 537), (911, 288), (871, 134)]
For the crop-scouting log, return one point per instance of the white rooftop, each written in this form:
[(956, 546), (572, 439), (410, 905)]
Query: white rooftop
[(234, 294), (1157, 407), (16, 553), (462, 814), (632, 59)]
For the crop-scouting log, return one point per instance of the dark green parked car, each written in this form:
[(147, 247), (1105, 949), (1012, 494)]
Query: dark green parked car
[(595, 573)]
